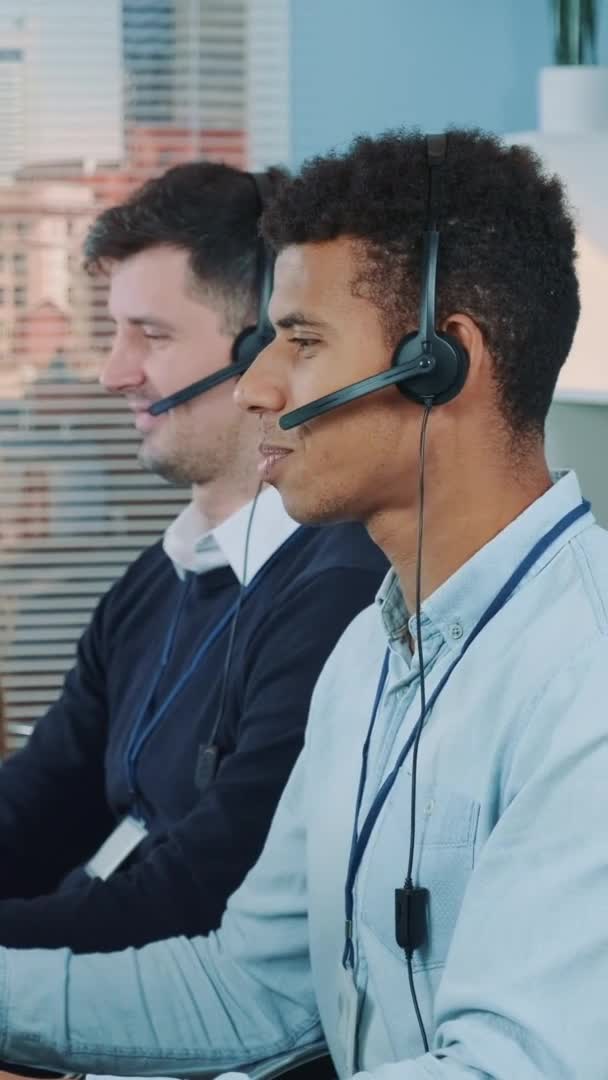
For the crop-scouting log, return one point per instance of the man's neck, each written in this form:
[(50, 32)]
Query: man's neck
[(459, 519), (216, 502)]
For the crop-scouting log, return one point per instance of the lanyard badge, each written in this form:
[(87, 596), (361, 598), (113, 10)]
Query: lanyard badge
[(349, 1004), (119, 845)]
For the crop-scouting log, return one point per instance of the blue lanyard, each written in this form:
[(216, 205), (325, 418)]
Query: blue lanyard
[(360, 840), (145, 724)]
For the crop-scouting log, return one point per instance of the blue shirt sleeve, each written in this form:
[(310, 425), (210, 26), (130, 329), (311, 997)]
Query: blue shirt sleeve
[(178, 1007)]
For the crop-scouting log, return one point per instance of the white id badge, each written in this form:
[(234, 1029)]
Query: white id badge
[(119, 845), (348, 1020)]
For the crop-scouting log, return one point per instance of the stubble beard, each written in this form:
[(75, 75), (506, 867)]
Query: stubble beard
[(182, 469)]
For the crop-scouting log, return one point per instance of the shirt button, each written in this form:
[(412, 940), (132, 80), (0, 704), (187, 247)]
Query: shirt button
[(456, 631), (429, 807)]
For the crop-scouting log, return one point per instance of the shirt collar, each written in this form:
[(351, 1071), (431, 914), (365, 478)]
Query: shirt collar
[(192, 546), (454, 609)]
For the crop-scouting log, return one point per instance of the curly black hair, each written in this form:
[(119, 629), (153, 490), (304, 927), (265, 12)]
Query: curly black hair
[(212, 211), (507, 247)]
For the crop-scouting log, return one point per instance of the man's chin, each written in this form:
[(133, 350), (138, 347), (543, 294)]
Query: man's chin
[(309, 511), (148, 460), (161, 466)]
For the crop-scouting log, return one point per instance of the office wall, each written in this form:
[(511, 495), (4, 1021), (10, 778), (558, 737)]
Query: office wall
[(364, 65), (577, 438)]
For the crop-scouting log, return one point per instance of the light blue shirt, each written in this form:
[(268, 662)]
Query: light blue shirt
[(511, 842)]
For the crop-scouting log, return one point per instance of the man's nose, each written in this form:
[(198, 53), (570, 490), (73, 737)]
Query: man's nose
[(121, 369), (259, 389)]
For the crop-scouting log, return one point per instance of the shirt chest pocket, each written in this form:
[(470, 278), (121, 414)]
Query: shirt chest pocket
[(446, 826)]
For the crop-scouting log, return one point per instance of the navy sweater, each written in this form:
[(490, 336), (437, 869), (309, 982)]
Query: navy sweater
[(65, 791)]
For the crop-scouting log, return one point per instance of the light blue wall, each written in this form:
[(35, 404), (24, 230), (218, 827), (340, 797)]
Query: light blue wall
[(365, 65)]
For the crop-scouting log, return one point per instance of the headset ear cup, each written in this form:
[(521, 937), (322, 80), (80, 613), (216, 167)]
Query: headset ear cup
[(250, 343), (460, 368), (253, 339), (447, 378)]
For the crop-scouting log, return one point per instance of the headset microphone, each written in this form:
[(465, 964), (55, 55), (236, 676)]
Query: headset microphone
[(427, 366), (231, 371), (252, 339), (414, 369)]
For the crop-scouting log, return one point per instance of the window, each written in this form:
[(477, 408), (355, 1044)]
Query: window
[(176, 81)]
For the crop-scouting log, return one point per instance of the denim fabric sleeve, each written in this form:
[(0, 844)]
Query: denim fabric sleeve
[(179, 1006), (523, 993)]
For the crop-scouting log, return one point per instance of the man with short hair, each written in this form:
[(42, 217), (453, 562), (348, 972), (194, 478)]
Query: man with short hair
[(436, 870), (146, 792)]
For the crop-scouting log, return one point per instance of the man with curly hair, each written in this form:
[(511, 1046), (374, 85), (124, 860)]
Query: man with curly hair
[(480, 949)]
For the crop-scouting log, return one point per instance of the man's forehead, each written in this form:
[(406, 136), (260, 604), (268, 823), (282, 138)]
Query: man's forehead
[(154, 280), (151, 253), (148, 266), (311, 280), (304, 263)]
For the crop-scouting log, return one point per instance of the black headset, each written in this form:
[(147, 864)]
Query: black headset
[(427, 365), (252, 339)]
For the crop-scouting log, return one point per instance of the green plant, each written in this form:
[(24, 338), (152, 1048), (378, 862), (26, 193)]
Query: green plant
[(575, 26)]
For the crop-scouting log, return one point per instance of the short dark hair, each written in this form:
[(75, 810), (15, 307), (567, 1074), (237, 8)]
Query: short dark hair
[(507, 247), (210, 210)]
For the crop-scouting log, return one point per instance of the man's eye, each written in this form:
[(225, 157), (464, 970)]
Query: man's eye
[(155, 337), (304, 343)]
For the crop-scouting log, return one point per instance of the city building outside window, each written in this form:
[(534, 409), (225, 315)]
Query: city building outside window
[(167, 81)]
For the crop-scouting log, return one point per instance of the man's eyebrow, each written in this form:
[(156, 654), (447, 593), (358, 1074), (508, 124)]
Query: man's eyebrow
[(299, 318), (150, 320)]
